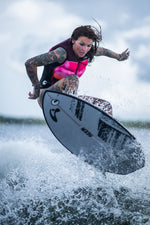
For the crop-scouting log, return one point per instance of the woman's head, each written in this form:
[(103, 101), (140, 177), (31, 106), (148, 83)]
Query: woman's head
[(91, 35)]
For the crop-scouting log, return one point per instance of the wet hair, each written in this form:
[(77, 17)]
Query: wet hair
[(90, 32)]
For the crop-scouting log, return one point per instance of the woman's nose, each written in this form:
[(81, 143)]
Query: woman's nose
[(85, 48)]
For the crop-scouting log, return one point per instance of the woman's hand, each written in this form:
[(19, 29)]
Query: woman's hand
[(124, 55), (36, 92)]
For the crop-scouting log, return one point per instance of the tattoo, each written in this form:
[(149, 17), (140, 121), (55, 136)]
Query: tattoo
[(99, 52), (107, 52), (61, 54), (68, 85), (100, 103), (32, 73), (58, 55)]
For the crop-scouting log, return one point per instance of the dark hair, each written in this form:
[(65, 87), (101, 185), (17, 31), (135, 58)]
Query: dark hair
[(91, 33)]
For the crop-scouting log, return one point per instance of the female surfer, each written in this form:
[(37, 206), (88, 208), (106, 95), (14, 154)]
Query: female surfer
[(65, 63)]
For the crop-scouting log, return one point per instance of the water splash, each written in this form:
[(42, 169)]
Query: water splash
[(42, 183)]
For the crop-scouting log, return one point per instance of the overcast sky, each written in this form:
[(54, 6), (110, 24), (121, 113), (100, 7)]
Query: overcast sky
[(32, 27)]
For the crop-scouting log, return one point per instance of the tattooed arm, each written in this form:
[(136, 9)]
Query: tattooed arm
[(106, 52), (58, 55)]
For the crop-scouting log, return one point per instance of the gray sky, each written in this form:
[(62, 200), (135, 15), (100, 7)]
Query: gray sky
[(31, 27)]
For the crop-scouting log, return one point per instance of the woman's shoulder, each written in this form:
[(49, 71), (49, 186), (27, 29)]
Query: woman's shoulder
[(64, 44)]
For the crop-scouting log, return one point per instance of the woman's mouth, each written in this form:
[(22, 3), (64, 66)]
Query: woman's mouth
[(82, 53)]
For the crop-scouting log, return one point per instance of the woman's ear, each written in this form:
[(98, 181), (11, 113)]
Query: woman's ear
[(73, 41)]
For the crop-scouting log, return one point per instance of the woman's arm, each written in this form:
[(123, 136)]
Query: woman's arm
[(58, 55), (106, 52)]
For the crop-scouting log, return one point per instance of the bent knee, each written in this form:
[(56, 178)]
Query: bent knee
[(73, 78)]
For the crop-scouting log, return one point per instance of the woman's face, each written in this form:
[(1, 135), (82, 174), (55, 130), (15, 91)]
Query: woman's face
[(81, 46)]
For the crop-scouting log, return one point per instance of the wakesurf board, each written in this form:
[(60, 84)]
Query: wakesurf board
[(92, 134)]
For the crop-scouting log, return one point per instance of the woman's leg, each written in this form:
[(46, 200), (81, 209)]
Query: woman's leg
[(68, 85), (100, 103)]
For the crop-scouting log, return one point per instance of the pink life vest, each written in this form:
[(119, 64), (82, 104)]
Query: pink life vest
[(72, 64)]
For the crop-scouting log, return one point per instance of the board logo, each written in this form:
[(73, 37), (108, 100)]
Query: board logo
[(55, 102), (79, 109), (53, 113), (87, 132)]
